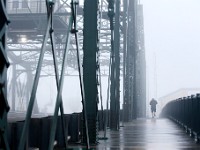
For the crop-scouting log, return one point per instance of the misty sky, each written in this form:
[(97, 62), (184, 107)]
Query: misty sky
[(172, 35)]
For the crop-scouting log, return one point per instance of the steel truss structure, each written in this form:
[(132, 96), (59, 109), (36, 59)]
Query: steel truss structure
[(4, 64), (24, 44), (114, 14), (90, 50), (39, 41), (141, 66), (135, 65)]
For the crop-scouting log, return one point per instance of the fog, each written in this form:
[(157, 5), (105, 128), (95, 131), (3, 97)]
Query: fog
[(172, 34), (71, 94)]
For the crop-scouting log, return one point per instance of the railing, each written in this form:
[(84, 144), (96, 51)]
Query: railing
[(186, 112)]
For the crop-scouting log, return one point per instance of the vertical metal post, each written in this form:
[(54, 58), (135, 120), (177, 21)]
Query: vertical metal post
[(111, 14), (29, 85), (90, 34), (141, 63), (125, 89), (75, 31), (134, 17), (14, 78), (127, 98), (115, 72), (4, 64), (131, 61), (107, 99), (112, 86), (117, 60)]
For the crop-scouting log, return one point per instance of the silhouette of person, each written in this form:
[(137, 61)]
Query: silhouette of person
[(153, 104)]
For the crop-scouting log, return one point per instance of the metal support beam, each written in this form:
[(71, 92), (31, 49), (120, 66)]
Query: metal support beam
[(130, 80), (29, 86), (117, 60), (52, 37), (141, 65), (90, 49), (125, 83), (111, 14), (4, 107), (35, 85), (133, 49), (14, 79), (115, 68)]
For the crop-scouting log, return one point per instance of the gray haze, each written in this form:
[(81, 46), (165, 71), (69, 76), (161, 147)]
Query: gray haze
[(172, 35)]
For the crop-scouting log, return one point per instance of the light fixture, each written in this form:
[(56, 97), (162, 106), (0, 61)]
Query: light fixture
[(23, 39)]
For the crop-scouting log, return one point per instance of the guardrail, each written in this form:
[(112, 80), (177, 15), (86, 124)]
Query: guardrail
[(39, 130), (186, 112)]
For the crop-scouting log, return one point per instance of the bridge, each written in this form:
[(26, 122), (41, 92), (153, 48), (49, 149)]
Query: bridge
[(98, 47)]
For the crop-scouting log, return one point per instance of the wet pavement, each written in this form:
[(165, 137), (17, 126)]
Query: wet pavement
[(150, 134)]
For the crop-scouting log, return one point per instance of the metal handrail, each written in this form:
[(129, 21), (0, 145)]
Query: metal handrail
[(185, 111)]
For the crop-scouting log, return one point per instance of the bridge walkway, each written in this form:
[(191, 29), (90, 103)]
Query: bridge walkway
[(148, 134)]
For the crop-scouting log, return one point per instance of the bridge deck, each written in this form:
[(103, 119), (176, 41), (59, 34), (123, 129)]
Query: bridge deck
[(142, 134), (151, 134)]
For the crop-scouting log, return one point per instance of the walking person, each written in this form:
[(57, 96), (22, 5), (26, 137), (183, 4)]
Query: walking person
[(153, 104)]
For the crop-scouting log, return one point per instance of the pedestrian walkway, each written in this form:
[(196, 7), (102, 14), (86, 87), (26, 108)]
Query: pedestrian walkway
[(150, 134)]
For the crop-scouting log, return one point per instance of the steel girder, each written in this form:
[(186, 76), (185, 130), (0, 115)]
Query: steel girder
[(14, 78), (4, 64), (115, 66), (90, 49), (135, 65), (141, 65), (125, 84), (130, 104)]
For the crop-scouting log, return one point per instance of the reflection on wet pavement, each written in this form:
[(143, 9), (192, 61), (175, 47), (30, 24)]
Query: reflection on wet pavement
[(150, 134)]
